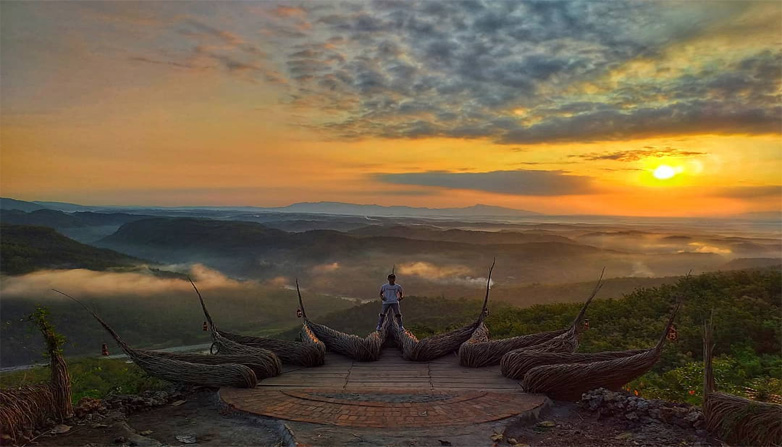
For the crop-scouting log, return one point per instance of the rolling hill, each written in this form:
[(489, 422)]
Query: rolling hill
[(25, 249), (21, 205), (84, 226)]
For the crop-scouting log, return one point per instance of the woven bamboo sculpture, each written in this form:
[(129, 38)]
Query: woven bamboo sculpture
[(734, 419), (308, 352), (208, 370), (367, 349), (564, 341), (24, 409), (439, 345), (566, 380)]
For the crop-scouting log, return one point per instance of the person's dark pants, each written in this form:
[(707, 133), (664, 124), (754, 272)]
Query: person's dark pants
[(384, 311)]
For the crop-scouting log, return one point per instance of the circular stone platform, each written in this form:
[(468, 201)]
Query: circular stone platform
[(390, 392)]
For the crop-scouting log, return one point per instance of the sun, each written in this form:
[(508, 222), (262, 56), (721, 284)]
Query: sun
[(664, 172)]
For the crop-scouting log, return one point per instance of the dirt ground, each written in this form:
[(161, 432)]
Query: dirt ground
[(562, 424), (201, 417)]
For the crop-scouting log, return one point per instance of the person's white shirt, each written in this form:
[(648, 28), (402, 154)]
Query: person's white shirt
[(391, 293)]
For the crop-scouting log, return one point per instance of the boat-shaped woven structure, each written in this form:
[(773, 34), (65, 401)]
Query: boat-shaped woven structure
[(308, 352), (565, 342), (439, 345), (734, 419), (366, 349), (564, 379), (198, 369)]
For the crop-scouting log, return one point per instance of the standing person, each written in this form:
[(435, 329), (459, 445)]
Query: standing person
[(391, 294)]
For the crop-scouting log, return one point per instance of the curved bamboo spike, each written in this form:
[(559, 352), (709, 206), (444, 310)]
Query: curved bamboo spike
[(582, 312), (301, 303), (393, 269), (661, 342), (486, 298), (677, 304), (212, 327), (708, 352), (105, 325)]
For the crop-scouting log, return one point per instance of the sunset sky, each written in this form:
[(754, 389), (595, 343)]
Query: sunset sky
[(627, 108)]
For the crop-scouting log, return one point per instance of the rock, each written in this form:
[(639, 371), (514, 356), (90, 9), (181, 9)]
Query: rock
[(88, 405), (130, 436), (595, 402), (496, 437), (143, 441), (680, 412), (186, 439), (446, 443), (60, 429), (547, 424), (178, 403), (701, 433), (637, 409), (681, 423), (145, 432), (119, 440), (625, 435)]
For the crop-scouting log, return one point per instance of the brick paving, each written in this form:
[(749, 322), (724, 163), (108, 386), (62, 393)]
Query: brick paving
[(389, 393)]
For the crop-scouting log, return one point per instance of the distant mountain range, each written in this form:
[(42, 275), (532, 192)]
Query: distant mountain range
[(338, 208), (352, 209), (390, 211), (20, 205)]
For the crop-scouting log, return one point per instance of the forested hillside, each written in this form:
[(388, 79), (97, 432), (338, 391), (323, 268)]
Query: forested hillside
[(25, 249)]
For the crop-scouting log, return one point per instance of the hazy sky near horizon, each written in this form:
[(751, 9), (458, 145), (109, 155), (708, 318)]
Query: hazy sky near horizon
[(632, 108)]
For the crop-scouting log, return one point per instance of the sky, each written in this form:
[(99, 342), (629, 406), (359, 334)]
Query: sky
[(620, 108)]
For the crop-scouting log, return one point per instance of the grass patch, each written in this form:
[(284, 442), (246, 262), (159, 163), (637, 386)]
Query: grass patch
[(91, 377)]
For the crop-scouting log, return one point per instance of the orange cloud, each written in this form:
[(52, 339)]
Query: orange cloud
[(289, 11)]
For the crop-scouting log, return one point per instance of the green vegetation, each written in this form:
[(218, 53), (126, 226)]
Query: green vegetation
[(25, 249), (40, 318), (91, 377), (748, 331)]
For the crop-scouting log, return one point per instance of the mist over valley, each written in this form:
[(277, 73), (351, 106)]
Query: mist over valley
[(133, 264)]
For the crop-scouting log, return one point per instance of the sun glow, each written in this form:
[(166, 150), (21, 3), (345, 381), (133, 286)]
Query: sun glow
[(664, 172)]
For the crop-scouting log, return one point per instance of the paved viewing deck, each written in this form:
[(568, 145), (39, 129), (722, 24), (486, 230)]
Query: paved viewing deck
[(391, 392)]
